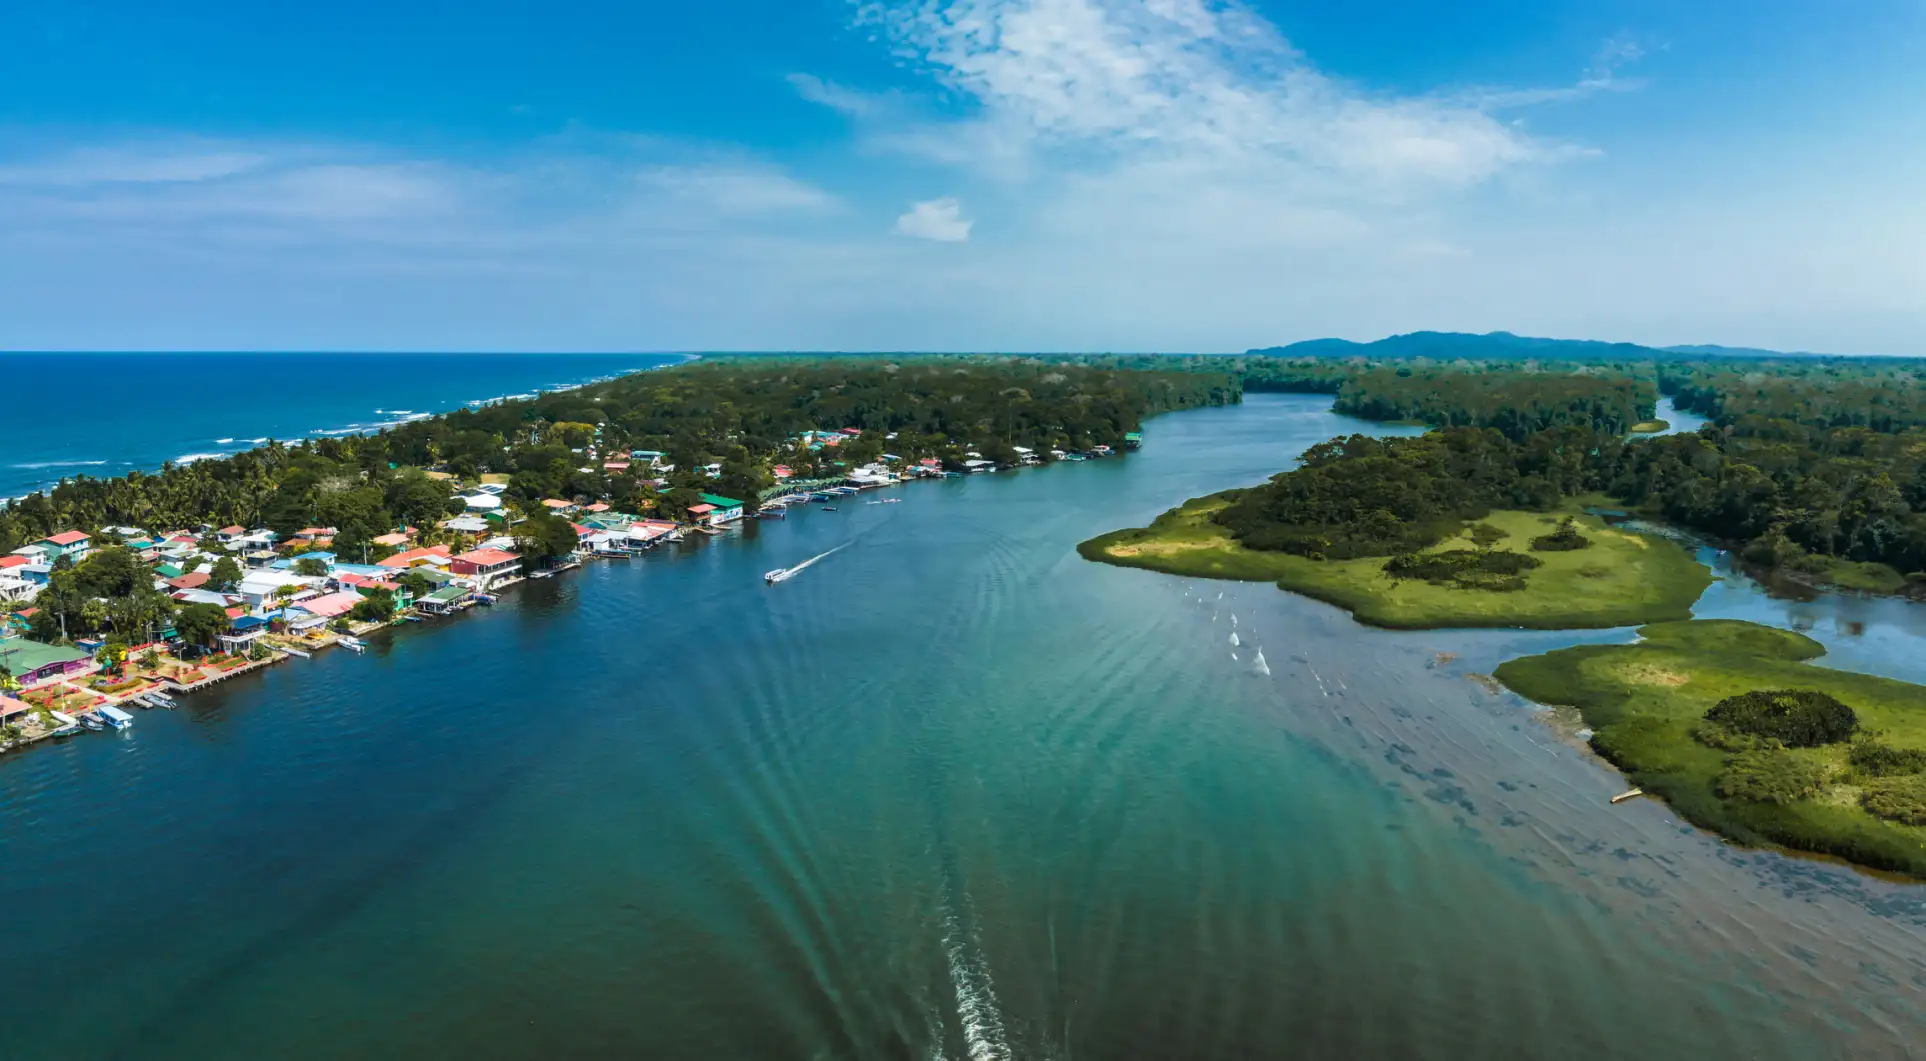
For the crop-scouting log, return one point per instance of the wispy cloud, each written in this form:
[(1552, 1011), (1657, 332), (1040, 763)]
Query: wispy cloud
[(940, 220), (1135, 79), (140, 163)]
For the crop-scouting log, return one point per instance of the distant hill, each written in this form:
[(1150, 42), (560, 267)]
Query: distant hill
[(1449, 346)]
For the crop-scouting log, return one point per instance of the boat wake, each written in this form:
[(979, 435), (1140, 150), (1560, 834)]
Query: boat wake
[(984, 1036), (784, 574)]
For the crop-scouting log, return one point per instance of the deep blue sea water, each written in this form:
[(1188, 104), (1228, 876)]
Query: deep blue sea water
[(952, 793), (107, 414)]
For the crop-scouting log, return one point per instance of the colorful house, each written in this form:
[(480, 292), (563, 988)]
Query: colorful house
[(486, 565), (34, 663), (74, 545), (430, 556), (723, 510)]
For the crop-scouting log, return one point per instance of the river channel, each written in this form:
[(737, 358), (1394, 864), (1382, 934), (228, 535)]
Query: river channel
[(951, 792)]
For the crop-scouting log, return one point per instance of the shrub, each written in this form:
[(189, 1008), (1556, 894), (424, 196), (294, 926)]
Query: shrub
[(1563, 540), (1770, 777), (1875, 758), (1898, 799), (1484, 535), (1801, 718), (1714, 735), (1464, 567)]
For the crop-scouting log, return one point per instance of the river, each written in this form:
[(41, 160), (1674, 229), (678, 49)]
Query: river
[(951, 792)]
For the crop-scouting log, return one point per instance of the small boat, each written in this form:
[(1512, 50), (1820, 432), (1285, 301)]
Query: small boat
[(158, 698), (829, 508), (775, 576), (115, 717), (486, 598), (543, 574), (1628, 794), (92, 723), (68, 724)]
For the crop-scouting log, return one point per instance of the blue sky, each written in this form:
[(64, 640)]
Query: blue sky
[(959, 174)]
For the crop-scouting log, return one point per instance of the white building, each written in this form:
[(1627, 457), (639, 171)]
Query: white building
[(260, 588)]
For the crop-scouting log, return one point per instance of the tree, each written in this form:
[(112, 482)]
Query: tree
[(542, 537), (225, 575), (417, 584), (311, 567), (200, 624), (377, 607)]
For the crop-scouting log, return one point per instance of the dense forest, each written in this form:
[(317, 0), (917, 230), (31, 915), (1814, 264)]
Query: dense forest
[(1515, 403), (1364, 496), (737, 417), (1819, 463)]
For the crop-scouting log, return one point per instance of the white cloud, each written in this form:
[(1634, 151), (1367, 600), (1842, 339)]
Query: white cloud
[(1130, 79), (739, 188), (940, 220), (160, 163)]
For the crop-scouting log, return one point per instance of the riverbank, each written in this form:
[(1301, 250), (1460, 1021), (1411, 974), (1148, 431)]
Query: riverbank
[(1621, 579), (1646, 704), (843, 816)]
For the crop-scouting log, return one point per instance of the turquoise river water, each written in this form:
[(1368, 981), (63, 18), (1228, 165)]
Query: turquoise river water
[(953, 792)]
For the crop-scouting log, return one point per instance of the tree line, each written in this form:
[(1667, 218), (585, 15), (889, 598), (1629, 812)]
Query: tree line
[(738, 417)]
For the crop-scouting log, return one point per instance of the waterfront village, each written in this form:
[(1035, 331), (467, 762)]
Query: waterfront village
[(246, 597)]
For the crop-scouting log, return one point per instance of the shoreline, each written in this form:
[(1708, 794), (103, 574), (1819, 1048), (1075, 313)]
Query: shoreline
[(281, 653), (121, 468), (1629, 580)]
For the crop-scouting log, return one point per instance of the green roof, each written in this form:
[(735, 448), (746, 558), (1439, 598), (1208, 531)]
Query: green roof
[(20, 655), (446, 596), (721, 502)]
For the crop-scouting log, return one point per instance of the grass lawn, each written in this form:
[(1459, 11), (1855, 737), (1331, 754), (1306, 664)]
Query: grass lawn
[(1624, 579), (1644, 701)]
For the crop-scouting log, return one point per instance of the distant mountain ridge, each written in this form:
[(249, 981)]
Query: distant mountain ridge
[(1453, 345)]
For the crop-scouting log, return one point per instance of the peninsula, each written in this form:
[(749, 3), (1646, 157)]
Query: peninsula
[(1734, 727)]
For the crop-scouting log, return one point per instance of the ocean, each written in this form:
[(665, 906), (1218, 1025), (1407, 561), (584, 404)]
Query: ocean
[(952, 792), (105, 415)]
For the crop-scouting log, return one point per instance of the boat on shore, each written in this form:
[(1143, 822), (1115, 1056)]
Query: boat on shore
[(353, 644)]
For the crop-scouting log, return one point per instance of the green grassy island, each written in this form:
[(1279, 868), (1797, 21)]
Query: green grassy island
[(1622, 579), (1793, 755)]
